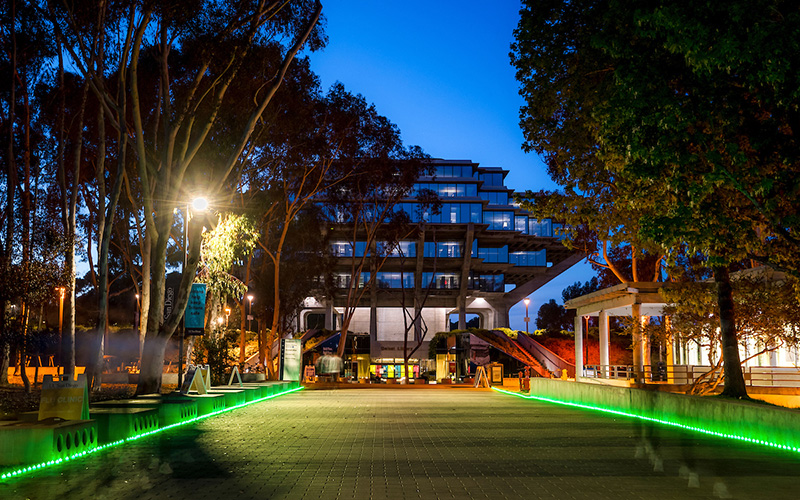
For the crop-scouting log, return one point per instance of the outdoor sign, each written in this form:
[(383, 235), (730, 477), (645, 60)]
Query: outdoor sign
[(195, 315), (291, 359), (67, 399), (198, 378), (235, 373), (309, 375), (171, 285), (497, 373)]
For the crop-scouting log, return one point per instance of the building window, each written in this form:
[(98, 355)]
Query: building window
[(456, 213), (488, 282), (394, 280), (344, 280), (490, 178), (444, 249), (441, 281), (521, 223), (494, 197), (494, 254), (448, 190), (529, 259), (400, 248), (540, 228), (499, 221), (454, 171)]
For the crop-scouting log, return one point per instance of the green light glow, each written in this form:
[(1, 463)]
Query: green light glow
[(25, 470), (709, 432)]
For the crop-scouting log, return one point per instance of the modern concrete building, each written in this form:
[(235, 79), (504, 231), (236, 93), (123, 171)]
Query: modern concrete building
[(471, 262)]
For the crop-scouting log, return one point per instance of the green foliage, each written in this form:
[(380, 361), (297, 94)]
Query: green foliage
[(512, 334), (232, 238), (215, 350), (679, 117), (767, 311)]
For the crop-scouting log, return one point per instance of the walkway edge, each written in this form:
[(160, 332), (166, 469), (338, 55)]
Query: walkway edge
[(759, 424), (25, 471)]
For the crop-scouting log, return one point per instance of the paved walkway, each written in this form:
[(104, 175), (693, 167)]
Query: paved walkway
[(364, 444)]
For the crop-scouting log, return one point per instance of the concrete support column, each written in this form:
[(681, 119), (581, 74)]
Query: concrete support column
[(466, 263), (418, 293), (578, 347), (374, 345), (329, 315), (604, 344), (638, 345), (500, 313)]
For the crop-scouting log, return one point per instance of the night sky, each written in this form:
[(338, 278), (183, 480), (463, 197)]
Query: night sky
[(440, 70)]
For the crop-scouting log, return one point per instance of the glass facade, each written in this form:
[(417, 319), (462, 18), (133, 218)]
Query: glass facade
[(494, 254), (495, 197), (521, 223), (529, 259), (499, 221), (441, 281), (490, 178), (540, 228), (449, 190), (344, 280), (488, 282), (394, 280), (453, 171), (345, 249), (445, 249), (399, 249), (452, 183)]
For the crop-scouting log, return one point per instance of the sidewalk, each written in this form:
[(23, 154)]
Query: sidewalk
[(417, 444)]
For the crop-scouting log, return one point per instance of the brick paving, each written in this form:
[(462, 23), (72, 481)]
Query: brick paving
[(417, 444)]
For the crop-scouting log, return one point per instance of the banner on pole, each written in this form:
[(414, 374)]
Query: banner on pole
[(195, 315)]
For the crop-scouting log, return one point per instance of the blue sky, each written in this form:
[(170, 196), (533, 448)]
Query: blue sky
[(440, 70)]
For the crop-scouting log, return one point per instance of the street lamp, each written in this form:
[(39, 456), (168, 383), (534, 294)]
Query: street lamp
[(527, 301), (199, 204), (227, 315), (250, 312)]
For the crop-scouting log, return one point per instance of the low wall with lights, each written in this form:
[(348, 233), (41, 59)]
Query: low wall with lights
[(727, 418), (45, 444)]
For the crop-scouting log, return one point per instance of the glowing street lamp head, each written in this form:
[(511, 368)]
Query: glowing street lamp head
[(200, 204), (526, 300), (251, 297)]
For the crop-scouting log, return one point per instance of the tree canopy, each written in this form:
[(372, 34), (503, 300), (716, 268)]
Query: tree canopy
[(690, 112)]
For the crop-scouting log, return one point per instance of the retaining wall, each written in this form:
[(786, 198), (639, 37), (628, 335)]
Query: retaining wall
[(738, 418)]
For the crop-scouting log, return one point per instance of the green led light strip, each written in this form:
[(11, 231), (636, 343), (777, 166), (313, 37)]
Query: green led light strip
[(25, 470), (700, 430)]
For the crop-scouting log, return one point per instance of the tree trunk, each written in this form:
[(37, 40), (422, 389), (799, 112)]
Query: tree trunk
[(23, 350), (152, 365), (734, 379)]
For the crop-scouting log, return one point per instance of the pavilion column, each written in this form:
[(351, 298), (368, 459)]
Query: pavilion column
[(638, 345), (670, 351), (604, 344), (578, 347)]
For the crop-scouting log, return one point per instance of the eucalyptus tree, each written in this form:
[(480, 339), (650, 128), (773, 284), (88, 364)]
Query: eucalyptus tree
[(179, 59)]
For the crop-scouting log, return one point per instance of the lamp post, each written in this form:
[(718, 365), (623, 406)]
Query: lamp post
[(527, 301), (250, 312), (227, 315), (199, 205)]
